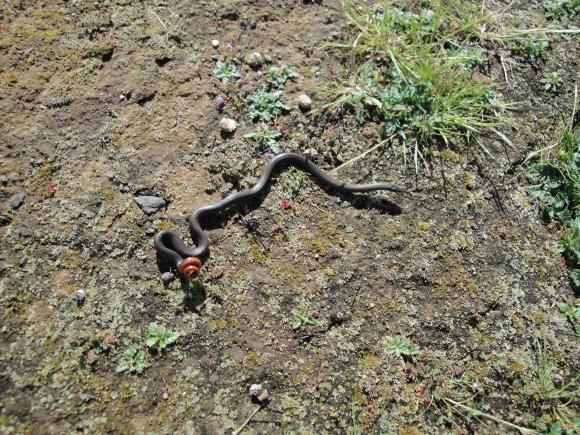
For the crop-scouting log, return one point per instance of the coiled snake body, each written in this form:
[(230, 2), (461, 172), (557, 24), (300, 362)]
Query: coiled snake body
[(174, 252)]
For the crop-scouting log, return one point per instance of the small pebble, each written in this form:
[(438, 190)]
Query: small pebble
[(311, 153), (91, 357), (253, 24), (150, 204), (215, 43), (228, 126), (256, 390), (80, 296), (17, 200), (167, 278), (255, 60), (304, 103), (258, 393)]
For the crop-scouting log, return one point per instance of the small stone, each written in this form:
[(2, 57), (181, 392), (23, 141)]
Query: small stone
[(91, 357), (255, 60), (228, 126), (217, 274), (167, 278), (311, 153), (304, 103), (17, 200), (253, 24), (215, 43), (150, 204), (80, 296), (256, 390)]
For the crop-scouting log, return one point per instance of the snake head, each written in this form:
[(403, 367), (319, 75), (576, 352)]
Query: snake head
[(190, 267)]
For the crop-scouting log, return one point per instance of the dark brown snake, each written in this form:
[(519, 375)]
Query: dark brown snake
[(174, 252)]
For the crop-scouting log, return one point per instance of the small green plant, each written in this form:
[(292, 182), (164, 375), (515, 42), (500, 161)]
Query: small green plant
[(552, 81), (467, 57), (132, 361), (556, 178), (226, 71), (558, 429), (302, 318), (266, 138), (295, 182), (562, 10), (572, 312), (401, 347), (266, 105), (277, 77), (160, 338), (533, 50)]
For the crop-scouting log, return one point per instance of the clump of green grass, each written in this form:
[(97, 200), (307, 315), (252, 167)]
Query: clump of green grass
[(533, 49), (226, 71), (132, 361), (547, 397), (401, 347), (413, 69), (266, 105), (277, 77), (557, 187), (160, 338)]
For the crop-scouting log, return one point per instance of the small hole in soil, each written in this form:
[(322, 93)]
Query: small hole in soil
[(163, 61), (107, 56)]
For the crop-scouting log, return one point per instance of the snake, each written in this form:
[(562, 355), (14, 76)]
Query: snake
[(174, 252)]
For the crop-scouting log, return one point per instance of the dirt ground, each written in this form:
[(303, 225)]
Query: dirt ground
[(103, 101)]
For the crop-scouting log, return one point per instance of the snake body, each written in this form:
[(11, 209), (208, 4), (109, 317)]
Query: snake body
[(174, 252)]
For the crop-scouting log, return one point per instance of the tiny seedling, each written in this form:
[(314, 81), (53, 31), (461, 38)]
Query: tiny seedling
[(266, 105), (302, 318), (402, 347), (266, 138), (552, 81), (160, 338), (533, 50), (572, 312), (277, 77), (226, 71), (132, 361)]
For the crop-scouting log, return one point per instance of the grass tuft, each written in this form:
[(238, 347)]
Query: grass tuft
[(414, 69)]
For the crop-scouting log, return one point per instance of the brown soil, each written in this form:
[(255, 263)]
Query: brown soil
[(102, 101)]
